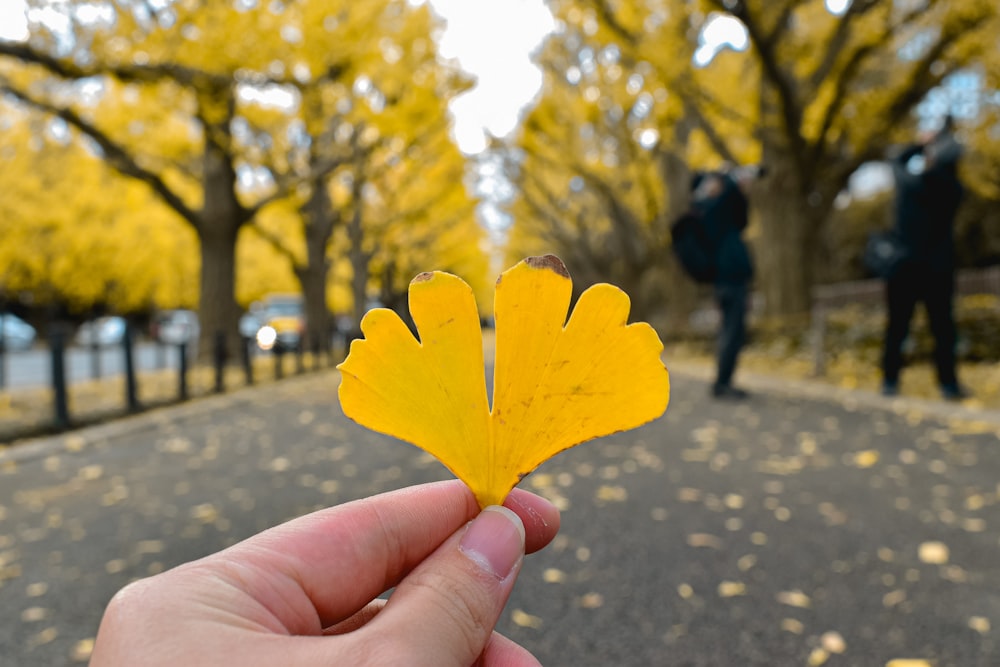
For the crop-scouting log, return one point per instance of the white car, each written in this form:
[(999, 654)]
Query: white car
[(102, 332), (176, 327), (16, 333), (250, 324)]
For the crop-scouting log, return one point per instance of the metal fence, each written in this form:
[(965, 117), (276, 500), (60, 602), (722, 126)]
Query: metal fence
[(56, 367), (826, 298)]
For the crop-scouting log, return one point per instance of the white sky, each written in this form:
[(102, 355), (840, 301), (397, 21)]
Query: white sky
[(493, 41), (13, 24)]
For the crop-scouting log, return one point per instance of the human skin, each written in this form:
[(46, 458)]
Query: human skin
[(307, 592)]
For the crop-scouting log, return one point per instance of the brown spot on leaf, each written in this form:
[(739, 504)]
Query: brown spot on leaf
[(550, 262), (423, 277)]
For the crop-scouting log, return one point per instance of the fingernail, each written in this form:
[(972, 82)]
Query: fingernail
[(529, 510), (494, 541)]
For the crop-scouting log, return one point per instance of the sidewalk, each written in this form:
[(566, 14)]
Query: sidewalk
[(959, 415)]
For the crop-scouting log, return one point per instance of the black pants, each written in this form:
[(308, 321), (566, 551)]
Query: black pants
[(935, 290), (732, 300)]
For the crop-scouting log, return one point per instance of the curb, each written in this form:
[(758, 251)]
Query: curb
[(849, 398)]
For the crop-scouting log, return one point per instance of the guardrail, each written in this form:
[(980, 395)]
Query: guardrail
[(872, 292)]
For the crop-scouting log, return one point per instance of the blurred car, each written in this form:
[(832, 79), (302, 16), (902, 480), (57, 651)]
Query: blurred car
[(175, 327), (250, 324), (16, 333), (283, 322), (102, 332)]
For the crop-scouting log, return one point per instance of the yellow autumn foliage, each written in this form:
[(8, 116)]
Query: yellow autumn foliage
[(235, 112), (77, 233), (557, 383)]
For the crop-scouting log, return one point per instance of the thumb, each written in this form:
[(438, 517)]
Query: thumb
[(443, 613)]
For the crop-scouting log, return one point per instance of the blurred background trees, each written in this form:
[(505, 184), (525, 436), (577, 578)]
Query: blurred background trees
[(95, 239), (170, 153), (815, 91), (223, 110)]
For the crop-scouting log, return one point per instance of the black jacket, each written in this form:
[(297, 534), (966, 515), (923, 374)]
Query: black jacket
[(926, 204), (725, 217)]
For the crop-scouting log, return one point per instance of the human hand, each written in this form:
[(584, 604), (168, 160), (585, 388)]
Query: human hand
[(304, 593), (925, 137)]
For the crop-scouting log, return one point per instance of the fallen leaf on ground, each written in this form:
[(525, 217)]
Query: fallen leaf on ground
[(933, 553), (524, 619)]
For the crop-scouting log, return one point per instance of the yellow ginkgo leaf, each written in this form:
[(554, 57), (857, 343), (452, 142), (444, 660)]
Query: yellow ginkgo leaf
[(556, 383)]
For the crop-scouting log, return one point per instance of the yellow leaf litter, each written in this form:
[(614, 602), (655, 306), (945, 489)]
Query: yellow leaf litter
[(556, 383)]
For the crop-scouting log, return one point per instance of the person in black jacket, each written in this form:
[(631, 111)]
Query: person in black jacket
[(721, 201), (928, 192)]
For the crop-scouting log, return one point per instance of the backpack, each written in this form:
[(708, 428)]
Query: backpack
[(693, 248)]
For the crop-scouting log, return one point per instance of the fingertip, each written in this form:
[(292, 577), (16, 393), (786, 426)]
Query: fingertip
[(495, 540), (450, 603), (503, 652), (540, 517)]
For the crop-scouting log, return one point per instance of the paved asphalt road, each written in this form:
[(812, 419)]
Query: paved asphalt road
[(781, 531)]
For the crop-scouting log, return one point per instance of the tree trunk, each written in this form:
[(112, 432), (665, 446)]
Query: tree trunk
[(313, 281), (786, 250), (320, 221), (358, 258), (395, 298), (681, 300), (222, 216), (359, 283), (217, 307), (681, 294)]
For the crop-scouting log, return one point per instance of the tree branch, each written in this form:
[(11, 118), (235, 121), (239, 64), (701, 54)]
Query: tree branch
[(691, 94), (714, 138), (607, 14), (116, 155), (781, 25), (839, 40), (789, 106), (922, 78), (276, 242), (152, 73), (285, 186), (818, 149), (155, 72), (848, 74), (921, 81)]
